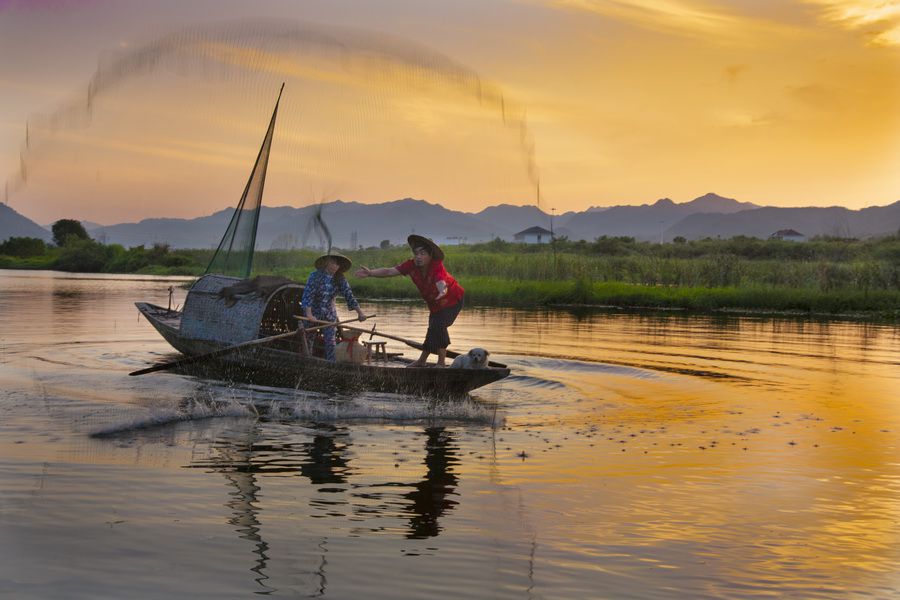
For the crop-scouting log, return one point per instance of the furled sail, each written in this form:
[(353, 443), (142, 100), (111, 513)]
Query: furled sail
[(234, 255)]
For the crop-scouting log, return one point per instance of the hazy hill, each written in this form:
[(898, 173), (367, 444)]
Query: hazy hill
[(811, 221), (286, 227), (202, 232), (12, 224), (647, 221), (508, 219), (372, 223)]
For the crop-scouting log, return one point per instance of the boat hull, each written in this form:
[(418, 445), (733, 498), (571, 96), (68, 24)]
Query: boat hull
[(281, 367)]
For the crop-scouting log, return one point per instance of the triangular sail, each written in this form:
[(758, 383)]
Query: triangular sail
[(234, 255)]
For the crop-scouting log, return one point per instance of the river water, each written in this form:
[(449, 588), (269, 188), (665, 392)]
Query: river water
[(627, 456)]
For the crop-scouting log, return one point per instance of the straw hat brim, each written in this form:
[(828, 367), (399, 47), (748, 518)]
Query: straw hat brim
[(417, 241), (343, 262)]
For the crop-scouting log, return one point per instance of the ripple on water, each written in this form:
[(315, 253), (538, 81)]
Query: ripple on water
[(617, 460)]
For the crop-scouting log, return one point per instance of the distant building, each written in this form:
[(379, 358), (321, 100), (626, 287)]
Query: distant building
[(534, 235), (455, 240), (788, 235)]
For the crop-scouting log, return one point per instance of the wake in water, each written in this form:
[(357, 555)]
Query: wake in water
[(387, 408), (275, 405), (192, 410)]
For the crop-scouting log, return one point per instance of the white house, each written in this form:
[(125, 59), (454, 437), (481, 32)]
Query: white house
[(788, 235), (534, 235)]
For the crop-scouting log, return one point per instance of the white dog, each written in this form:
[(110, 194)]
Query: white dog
[(476, 358)]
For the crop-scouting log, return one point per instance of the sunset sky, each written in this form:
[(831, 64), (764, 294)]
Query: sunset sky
[(467, 104)]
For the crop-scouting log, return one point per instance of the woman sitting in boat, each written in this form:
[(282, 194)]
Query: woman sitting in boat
[(319, 294), (439, 289)]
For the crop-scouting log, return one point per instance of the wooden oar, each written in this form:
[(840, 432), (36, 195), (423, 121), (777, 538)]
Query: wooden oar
[(410, 343), (215, 353)]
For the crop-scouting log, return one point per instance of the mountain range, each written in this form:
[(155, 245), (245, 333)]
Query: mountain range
[(12, 224), (353, 224)]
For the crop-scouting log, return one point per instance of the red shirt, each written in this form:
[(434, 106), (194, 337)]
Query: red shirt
[(426, 282)]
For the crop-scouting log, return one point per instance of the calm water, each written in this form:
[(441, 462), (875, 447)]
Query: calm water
[(629, 456)]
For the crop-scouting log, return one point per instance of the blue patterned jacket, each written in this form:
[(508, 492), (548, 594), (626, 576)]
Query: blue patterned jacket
[(320, 292)]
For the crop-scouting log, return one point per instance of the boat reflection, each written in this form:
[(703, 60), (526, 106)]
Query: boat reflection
[(259, 462), (245, 517), (431, 496)]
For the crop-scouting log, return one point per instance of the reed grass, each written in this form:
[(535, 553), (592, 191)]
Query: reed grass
[(833, 278), (524, 293), (824, 276)]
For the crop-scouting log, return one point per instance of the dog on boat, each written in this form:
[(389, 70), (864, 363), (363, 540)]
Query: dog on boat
[(476, 358)]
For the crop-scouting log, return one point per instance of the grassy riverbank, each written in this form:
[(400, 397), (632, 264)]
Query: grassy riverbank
[(506, 292), (825, 276)]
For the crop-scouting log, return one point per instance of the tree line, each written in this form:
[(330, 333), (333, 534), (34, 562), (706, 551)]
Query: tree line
[(824, 263)]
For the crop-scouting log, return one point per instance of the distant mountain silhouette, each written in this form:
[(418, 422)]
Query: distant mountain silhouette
[(508, 219), (647, 221), (202, 232), (762, 222), (368, 224), (12, 224), (714, 203), (288, 227)]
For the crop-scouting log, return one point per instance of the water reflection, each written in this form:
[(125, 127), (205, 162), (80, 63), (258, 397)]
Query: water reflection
[(259, 461), (665, 456), (327, 452), (430, 498), (243, 503)]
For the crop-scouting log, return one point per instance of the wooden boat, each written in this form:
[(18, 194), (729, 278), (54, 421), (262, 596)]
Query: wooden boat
[(211, 321), (206, 324)]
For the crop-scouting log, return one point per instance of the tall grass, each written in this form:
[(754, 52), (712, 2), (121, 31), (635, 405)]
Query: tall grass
[(523, 293), (825, 275)]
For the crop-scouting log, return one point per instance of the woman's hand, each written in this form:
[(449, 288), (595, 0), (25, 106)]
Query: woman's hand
[(362, 317), (363, 272)]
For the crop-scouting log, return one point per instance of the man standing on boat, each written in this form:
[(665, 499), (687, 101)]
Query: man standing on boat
[(319, 293), (439, 289)]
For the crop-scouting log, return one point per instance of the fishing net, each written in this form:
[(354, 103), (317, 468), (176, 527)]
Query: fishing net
[(234, 256)]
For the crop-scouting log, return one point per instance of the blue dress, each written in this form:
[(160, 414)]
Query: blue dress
[(319, 295)]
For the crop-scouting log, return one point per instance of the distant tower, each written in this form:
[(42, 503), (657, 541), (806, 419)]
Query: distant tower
[(354, 239)]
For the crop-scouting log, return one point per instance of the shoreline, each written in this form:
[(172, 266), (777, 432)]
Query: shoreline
[(871, 317), (753, 300), (617, 296), (600, 296)]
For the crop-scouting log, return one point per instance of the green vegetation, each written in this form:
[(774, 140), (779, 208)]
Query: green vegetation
[(824, 275), (64, 229)]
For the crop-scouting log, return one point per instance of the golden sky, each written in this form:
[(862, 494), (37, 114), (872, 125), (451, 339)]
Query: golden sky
[(468, 104)]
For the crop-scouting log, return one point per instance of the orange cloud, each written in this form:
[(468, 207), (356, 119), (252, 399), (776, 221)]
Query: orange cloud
[(688, 18), (879, 20)]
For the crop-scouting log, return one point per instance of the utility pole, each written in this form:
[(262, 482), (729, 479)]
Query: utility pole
[(553, 240)]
